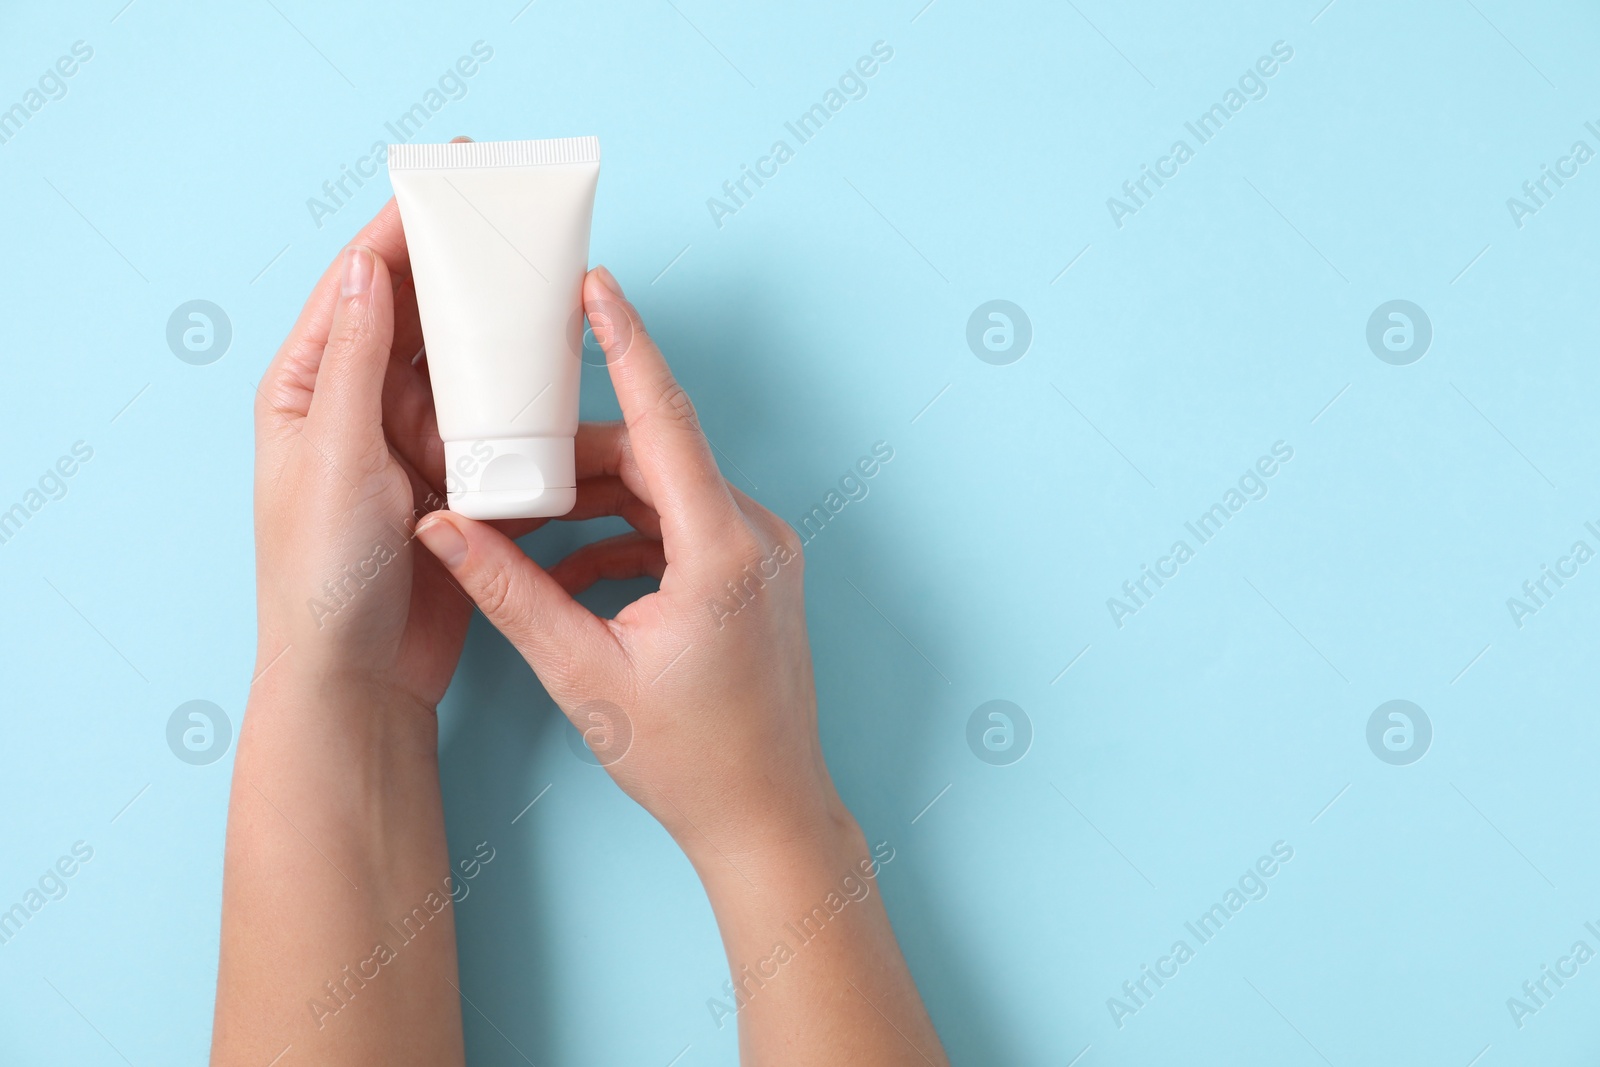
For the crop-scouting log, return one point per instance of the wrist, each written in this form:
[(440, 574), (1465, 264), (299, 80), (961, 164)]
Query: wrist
[(323, 670), (822, 893), (316, 707), (796, 853)]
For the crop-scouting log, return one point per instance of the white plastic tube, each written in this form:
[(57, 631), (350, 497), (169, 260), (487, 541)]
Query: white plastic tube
[(499, 238)]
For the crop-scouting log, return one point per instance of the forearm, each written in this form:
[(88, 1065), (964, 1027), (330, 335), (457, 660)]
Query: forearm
[(817, 976), (338, 933)]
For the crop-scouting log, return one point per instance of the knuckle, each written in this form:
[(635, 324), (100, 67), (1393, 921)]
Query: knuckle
[(276, 388), (614, 327), (745, 548), (564, 670), (352, 333), (674, 404), (372, 470), (789, 540), (494, 593), (783, 540), (787, 555), (628, 463)]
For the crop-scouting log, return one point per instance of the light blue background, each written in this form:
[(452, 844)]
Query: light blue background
[(823, 317)]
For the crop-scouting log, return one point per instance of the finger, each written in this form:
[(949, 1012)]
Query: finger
[(613, 559), (664, 433), (602, 452), (604, 461), (605, 495), (597, 498), (409, 419), (407, 321), (424, 498), (756, 512), (287, 386), (559, 638), (603, 448), (349, 394)]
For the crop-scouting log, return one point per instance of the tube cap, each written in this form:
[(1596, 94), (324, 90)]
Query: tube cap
[(511, 477)]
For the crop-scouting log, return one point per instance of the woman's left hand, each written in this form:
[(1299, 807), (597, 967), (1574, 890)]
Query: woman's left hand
[(348, 458)]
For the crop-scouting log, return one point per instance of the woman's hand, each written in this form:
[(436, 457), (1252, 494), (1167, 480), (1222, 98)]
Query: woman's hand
[(347, 459), (335, 825), (698, 698)]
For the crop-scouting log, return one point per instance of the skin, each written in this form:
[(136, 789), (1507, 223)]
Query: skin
[(699, 702)]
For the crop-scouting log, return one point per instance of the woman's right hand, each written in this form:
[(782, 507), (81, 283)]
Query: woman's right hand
[(698, 698)]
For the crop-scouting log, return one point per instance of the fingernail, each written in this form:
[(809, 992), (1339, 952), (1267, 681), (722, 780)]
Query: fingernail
[(610, 282), (355, 276), (443, 540)]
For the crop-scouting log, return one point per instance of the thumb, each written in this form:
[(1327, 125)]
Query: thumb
[(559, 637), (349, 391)]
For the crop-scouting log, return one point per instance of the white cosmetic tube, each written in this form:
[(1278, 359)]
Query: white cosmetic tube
[(499, 238)]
